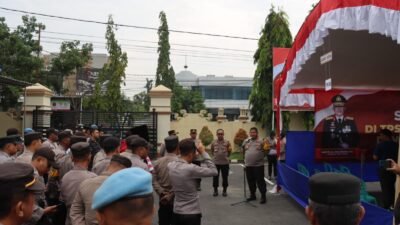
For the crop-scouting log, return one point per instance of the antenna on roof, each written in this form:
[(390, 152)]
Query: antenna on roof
[(185, 66)]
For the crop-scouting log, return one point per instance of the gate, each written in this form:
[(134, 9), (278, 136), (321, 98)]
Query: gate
[(115, 123)]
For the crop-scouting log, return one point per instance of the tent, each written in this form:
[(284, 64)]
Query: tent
[(360, 41)]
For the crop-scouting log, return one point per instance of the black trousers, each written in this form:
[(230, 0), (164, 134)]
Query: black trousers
[(272, 162), (224, 171), (387, 180), (187, 219), (199, 179), (166, 214), (255, 175)]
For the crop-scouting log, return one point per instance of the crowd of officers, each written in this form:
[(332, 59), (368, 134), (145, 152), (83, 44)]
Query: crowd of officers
[(65, 171)]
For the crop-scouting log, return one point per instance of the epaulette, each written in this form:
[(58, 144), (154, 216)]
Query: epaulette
[(329, 118), (349, 118)]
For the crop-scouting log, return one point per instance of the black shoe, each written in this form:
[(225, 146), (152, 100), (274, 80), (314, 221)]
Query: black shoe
[(198, 188), (215, 193), (252, 198), (224, 194), (263, 199)]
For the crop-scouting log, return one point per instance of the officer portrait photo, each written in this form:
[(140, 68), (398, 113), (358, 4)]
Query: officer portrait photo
[(339, 130)]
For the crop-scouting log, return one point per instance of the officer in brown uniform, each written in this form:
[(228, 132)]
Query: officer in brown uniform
[(221, 150), (81, 209), (161, 182), (70, 182), (197, 160), (254, 162)]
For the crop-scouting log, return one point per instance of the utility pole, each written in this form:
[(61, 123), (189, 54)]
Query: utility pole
[(40, 26)]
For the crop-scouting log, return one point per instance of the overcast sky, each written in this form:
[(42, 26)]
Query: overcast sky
[(243, 18)]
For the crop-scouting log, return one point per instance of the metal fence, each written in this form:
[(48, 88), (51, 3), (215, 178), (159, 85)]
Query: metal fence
[(116, 123)]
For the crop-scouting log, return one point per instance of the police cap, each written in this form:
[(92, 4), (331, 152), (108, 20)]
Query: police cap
[(116, 187), (19, 177), (80, 149), (10, 139), (338, 100), (47, 153), (135, 141), (334, 188)]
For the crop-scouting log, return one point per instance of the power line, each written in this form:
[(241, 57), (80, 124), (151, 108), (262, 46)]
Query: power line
[(127, 25), (153, 42), (176, 54), (148, 47)]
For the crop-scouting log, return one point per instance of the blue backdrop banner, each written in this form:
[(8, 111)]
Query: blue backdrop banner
[(300, 155)]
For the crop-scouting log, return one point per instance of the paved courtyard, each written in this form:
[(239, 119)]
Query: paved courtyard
[(280, 209)]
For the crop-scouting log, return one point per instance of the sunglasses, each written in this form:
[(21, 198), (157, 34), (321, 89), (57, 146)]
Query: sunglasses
[(220, 134)]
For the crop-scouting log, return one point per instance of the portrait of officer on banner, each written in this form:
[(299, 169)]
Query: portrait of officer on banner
[(339, 130)]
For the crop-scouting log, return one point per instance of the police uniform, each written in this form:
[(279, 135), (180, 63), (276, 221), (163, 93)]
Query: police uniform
[(221, 151), (71, 181), (339, 132), (40, 198), (26, 156), (101, 165), (19, 179), (162, 184), (254, 162), (12, 139), (81, 212), (183, 177), (134, 141)]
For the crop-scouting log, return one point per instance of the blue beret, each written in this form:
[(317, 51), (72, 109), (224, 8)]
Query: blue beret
[(132, 182)]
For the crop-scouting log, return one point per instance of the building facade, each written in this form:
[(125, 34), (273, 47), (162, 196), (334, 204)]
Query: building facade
[(228, 92)]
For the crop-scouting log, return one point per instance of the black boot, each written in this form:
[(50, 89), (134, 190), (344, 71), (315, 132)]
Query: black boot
[(252, 197), (215, 192), (224, 192), (263, 199)]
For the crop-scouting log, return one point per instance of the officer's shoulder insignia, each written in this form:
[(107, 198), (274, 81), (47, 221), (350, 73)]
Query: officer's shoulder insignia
[(349, 118), (329, 118)]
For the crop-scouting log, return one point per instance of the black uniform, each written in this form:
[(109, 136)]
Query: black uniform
[(340, 133)]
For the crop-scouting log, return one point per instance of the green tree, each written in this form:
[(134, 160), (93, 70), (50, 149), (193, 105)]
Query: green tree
[(189, 100), (18, 56), (72, 58), (165, 74), (206, 136), (275, 33), (141, 101), (107, 95)]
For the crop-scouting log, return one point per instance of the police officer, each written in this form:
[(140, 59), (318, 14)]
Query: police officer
[(32, 143), (42, 161), (163, 150), (137, 151), (111, 146), (339, 131), (254, 162), (70, 182), (8, 147), (197, 159), (81, 209), (120, 202), (334, 199), (221, 150), (183, 175), (17, 187), (161, 182)]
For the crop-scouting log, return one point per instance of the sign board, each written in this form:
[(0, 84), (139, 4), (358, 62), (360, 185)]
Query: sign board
[(328, 84), (60, 104), (326, 58)]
